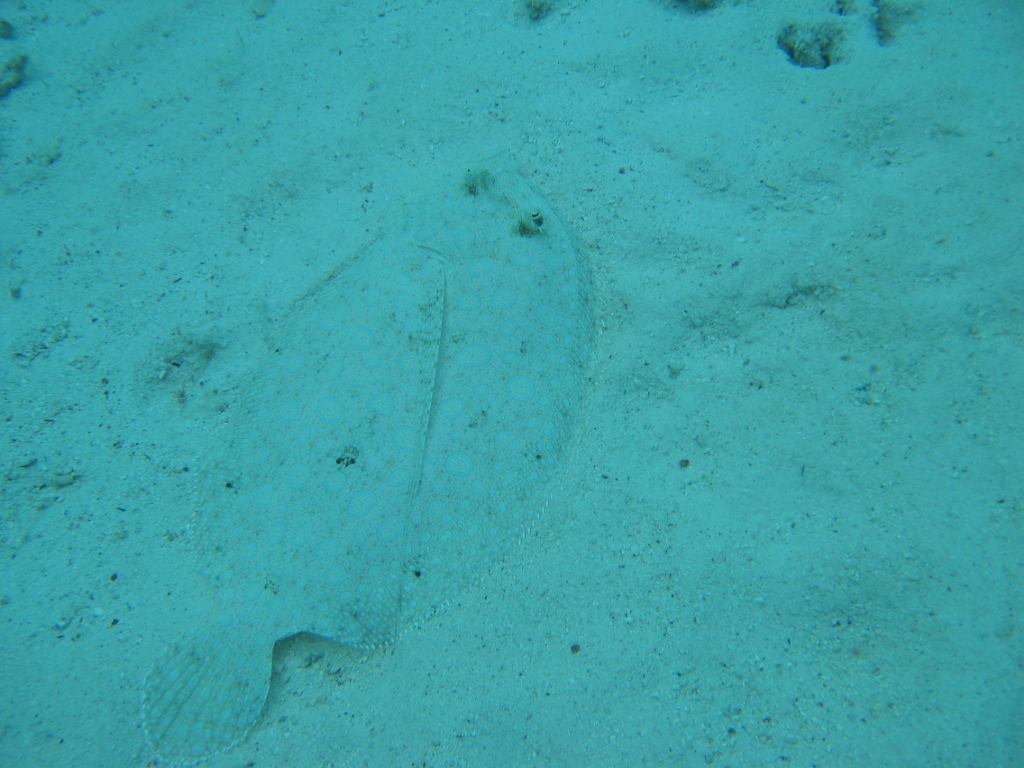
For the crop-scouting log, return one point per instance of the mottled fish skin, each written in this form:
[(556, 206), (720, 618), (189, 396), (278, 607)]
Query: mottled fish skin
[(394, 445)]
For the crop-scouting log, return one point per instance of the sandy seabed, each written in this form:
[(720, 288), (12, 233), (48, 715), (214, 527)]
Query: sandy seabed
[(790, 530)]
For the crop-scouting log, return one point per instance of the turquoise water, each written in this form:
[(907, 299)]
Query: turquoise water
[(776, 514)]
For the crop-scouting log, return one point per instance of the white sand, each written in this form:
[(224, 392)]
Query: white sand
[(808, 284)]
